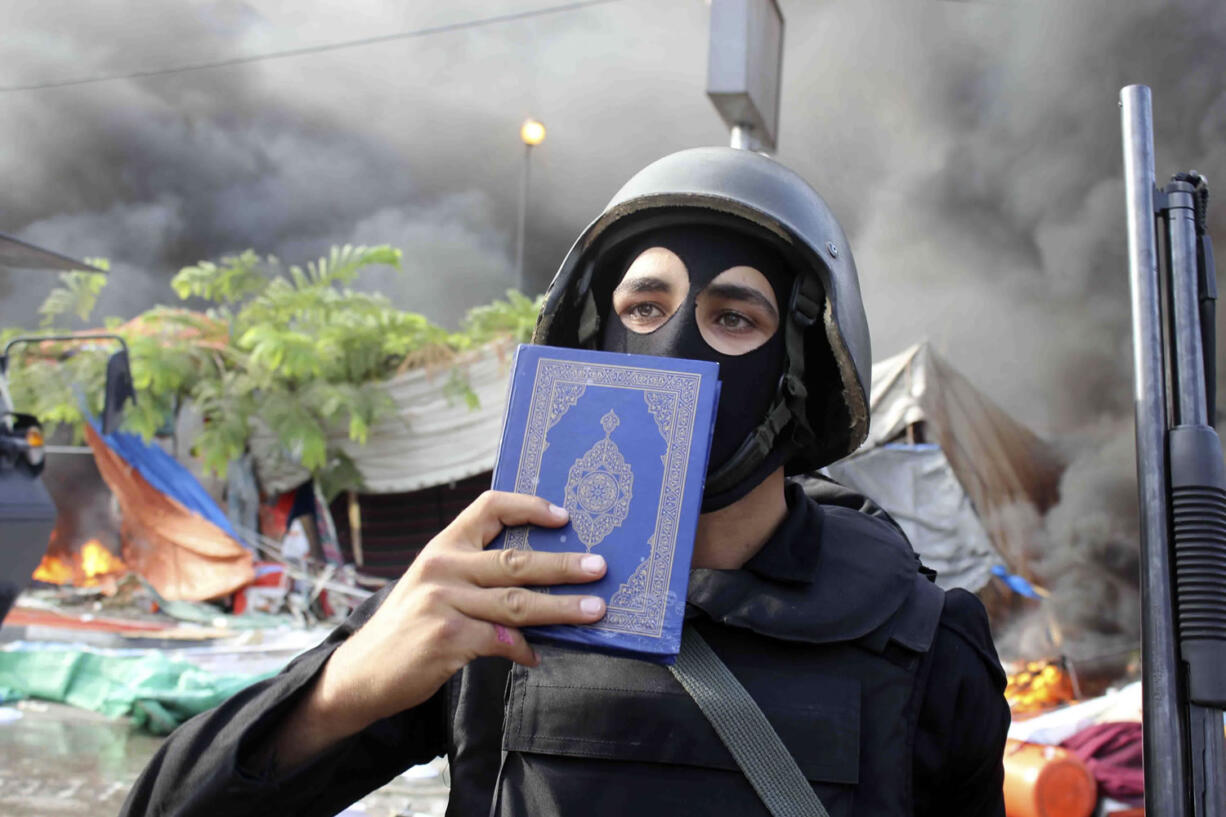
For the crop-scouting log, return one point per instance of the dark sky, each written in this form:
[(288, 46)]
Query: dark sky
[(970, 148)]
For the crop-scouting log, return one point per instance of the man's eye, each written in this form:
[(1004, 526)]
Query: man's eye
[(644, 311), (734, 321)]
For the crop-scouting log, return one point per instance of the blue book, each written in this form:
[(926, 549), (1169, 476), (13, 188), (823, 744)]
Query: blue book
[(620, 441)]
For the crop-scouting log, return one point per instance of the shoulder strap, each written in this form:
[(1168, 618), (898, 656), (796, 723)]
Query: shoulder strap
[(740, 724)]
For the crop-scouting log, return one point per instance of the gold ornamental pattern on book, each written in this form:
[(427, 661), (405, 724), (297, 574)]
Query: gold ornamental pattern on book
[(638, 607), (599, 488)]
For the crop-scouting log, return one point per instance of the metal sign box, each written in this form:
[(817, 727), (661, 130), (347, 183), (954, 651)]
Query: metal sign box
[(743, 66)]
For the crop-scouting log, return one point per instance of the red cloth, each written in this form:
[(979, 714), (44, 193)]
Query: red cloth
[(1112, 752)]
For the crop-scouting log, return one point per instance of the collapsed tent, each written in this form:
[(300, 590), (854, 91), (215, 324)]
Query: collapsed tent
[(966, 481), (173, 532), (420, 466)]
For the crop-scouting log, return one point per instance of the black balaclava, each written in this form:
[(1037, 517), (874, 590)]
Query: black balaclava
[(748, 381)]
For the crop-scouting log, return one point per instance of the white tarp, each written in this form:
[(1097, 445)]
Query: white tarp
[(432, 438), (916, 486), (1004, 473)]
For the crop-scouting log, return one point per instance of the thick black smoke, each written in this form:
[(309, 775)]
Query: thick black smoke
[(412, 142), (971, 149)]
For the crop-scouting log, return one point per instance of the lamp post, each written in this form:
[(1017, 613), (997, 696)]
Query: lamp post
[(532, 133), (744, 63)]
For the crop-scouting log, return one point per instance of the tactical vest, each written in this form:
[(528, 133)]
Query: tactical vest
[(835, 664)]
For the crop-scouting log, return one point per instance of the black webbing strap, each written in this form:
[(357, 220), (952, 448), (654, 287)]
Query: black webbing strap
[(740, 724)]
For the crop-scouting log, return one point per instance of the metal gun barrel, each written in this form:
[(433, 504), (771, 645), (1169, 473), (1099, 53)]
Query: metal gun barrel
[(1198, 497), (1185, 303)]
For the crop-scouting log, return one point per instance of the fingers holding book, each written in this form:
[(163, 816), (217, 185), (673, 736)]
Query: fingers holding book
[(489, 586), (527, 568), (484, 519), (455, 603), (520, 607)]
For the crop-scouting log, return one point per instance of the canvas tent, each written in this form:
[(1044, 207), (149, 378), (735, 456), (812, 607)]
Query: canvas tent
[(431, 438), (424, 462), (966, 481)]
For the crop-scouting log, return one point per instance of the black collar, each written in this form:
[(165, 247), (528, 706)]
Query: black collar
[(791, 554), (827, 574)]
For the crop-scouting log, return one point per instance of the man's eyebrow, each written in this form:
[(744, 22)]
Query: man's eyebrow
[(645, 283), (738, 292)]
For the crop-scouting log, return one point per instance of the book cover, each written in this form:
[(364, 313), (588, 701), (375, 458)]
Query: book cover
[(620, 441)]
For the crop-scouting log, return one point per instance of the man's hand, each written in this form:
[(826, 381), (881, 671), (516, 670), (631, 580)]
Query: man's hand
[(456, 602)]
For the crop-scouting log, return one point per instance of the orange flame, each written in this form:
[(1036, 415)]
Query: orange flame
[(53, 570), (1039, 686), (92, 562)]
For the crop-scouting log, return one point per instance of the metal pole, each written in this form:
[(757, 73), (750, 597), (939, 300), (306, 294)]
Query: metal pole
[(523, 217), (740, 137), (355, 528), (1163, 724)]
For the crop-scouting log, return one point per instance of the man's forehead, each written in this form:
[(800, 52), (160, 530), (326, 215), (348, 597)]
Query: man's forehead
[(700, 250), (658, 269), (647, 283)]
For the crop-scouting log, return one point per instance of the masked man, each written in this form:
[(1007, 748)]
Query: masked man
[(885, 690)]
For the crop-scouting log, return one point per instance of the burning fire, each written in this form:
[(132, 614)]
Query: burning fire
[(1038, 686), (92, 563)]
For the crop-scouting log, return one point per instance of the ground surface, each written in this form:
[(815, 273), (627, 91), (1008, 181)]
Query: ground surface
[(56, 760)]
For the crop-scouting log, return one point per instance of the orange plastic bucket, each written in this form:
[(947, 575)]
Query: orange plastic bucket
[(1046, 781)]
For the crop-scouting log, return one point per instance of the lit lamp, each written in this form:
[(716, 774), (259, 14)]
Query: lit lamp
[(532, 133)]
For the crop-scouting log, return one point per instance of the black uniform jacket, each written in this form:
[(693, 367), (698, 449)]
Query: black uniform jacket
[(816, 628)]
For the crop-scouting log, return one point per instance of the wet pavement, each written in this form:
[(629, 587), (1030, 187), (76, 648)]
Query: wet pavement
[(58, 760)]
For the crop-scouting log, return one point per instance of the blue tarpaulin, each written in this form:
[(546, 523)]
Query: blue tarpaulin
[(1016, 583)]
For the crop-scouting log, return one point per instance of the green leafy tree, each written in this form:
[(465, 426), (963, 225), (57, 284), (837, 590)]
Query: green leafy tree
[(77, 294), (516, 317), (293, 351)]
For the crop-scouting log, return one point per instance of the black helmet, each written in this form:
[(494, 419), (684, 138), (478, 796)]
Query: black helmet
[(749, 192)]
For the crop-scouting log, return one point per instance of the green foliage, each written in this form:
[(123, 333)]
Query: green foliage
[(76, 295), (514, 317), (236, 277), (288, 351)]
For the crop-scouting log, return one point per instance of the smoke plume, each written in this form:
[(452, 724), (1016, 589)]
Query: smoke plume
[(970, 148)]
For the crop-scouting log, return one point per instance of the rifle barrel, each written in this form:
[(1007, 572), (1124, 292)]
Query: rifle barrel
[(1185, 301)]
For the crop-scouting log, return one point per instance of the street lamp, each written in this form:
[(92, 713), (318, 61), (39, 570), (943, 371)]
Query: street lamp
[(532, 133), (743, 68)]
